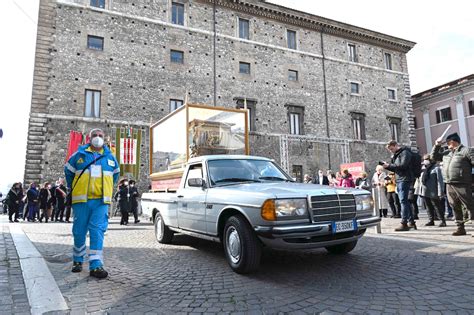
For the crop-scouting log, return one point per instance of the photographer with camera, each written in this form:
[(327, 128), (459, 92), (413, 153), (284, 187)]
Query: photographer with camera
[(401, 165)]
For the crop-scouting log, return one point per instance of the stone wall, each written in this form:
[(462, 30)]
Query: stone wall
[(137, 79)]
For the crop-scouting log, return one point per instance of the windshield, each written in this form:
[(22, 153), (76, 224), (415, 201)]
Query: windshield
[(228, 172)]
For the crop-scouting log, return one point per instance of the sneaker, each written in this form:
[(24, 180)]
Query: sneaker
[(98, 273), (430, 223), (76, 266), (442, 224)]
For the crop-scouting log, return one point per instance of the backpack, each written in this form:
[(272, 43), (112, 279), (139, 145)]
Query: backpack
[(415, 163)]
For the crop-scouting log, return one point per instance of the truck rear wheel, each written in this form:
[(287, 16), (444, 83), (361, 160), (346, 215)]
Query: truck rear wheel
[(241, 246), (162, 233), (342, 248)]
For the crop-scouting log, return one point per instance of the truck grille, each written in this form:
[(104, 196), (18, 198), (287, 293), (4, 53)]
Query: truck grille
[(333, 207)]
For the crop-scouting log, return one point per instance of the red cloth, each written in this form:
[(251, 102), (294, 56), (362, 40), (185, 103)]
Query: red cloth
[(75, 140)]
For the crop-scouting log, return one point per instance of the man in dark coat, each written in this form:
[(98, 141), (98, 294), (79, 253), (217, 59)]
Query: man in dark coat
[(401, 165), (125, 201), (134, 194), (458, 161), (321, 179)]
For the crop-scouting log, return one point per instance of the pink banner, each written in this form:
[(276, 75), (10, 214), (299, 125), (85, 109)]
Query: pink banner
[(355, 168)]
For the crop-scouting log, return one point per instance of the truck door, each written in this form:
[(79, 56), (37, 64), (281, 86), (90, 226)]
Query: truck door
[(192, 203)]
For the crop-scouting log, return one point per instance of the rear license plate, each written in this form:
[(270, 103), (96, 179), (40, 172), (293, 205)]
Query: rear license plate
[(344, 226)]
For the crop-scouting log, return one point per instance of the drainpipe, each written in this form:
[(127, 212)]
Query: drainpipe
[(325, 98), (214, 51)]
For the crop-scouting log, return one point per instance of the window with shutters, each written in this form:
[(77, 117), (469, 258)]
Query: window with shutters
[(92, 103), (352, 52), (177, 13), (395, 127), (471, 107), (388, 61), (443, 114), (358, 125), (291, 39), (296, 119), (244, 26)]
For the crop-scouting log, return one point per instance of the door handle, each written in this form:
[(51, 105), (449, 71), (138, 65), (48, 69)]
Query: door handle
[(180, 196)]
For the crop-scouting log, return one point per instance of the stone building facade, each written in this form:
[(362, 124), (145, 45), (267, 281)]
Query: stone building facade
[(320, 92)]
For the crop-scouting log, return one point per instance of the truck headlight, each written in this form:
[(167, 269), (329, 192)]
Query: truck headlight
[(281, 209), (364, 202)]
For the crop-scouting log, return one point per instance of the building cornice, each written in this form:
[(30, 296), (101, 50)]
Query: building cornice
[(314, 22), (418, 98)]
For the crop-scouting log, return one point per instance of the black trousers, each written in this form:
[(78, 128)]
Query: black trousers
[(434, 208), (68, 212), (60, 213), (394, 203), (460, 195), (124, 213), (12, 211)]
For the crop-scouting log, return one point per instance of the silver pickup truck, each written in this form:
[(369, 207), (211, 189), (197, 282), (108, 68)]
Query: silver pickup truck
[(248, 202)]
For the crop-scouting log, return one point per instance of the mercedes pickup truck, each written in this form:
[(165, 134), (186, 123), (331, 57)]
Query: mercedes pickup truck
[(249, 202)]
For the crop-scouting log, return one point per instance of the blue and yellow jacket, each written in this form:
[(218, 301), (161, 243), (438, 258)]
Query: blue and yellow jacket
[(92, 184)]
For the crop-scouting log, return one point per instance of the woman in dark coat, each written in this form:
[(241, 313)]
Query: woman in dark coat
[(14, 199), (44, 202), (432, 190)]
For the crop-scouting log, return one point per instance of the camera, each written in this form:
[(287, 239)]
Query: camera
[(381, 162)]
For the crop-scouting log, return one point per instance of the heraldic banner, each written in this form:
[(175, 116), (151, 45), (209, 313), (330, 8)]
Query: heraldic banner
[(127, 151)]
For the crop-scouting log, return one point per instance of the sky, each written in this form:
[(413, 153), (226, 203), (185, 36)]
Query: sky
[(442, 30)]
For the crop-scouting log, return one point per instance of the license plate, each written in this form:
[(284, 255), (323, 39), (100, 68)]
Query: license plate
[(344, 226)]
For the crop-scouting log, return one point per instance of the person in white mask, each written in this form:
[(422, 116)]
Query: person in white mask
[(91, 174)]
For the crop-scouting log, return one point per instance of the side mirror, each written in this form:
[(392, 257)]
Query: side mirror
[(196, 182)]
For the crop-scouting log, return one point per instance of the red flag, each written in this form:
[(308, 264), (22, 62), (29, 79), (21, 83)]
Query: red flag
[(75, 140)]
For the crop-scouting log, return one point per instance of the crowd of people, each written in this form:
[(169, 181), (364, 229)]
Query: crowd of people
[(441, 181), (48, 202)]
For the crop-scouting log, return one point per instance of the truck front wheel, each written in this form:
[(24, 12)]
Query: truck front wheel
[(341, 248), (241, 246), (162, 233)]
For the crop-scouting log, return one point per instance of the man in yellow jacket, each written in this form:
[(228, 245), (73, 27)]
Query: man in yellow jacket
[(91, 173)]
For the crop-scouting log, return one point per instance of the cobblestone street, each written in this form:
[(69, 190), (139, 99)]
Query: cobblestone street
[(384, 274)]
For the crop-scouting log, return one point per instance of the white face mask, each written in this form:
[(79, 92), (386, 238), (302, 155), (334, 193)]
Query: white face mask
[(97, 142), (125, 183), (426, 162)]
